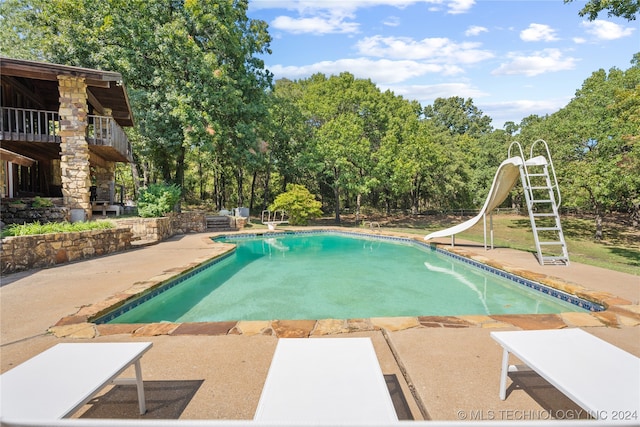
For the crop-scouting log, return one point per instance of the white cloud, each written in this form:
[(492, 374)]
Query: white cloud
[(315, 25), (579, 40), (392, 21), (606, 30), (460, 6), (426, 94), (309, 6), (382, 71), (545, 61), (475, 30), (516, 110), (538, 32), (429, 49)]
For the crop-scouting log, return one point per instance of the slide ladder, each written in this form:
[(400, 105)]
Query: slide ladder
[(542, 196)]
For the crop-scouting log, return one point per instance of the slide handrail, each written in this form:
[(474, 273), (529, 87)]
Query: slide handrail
[(553, 169)]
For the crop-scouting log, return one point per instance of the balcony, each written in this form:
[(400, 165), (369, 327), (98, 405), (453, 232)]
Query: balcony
[(107, 138), (35, 133)]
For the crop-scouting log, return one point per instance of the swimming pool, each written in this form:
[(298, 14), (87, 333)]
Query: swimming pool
[(323, 275)]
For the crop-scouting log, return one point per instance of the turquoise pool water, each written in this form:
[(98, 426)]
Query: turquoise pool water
[(325, 275)]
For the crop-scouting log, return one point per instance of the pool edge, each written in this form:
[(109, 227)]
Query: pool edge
[(83, 319)]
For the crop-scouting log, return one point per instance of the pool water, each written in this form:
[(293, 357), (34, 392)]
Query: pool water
[(319, 276)]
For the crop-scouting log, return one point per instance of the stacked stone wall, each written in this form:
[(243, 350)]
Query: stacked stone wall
[(148, 229), (158, 229), (22, 253), (188, 222), (21, 213), (74, 148)]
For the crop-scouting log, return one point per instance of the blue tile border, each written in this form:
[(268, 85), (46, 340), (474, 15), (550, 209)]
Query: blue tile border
[(547, 290), (160, 289), (572, 299)]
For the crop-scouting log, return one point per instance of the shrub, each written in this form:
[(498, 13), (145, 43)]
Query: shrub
[(299, 203), (157, 200), (39, 202), (53, 227)]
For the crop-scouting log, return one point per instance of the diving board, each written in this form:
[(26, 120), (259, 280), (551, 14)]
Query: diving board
[(273, 218)]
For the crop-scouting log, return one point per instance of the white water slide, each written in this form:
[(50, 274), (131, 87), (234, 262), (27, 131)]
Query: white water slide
[(542, 198), (506, 177)]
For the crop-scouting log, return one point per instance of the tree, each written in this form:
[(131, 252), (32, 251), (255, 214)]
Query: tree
[(298, 203), (593, 141), (191, 67), (458, 116), (622, 8)]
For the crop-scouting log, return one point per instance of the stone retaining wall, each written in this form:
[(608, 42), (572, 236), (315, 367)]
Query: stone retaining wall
[(23, 213), (159, 229), (148, 229), (20, 253), (188, 222)]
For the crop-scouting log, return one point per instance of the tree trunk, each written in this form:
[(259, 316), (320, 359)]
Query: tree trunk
[(239, 180), (180, 168), (415, 193), (599, 233), (136, 179), (253, 190), (201, 176), (336, 193), (358, 201), (267, 178)]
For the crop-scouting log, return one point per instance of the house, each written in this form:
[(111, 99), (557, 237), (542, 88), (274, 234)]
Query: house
[(61, 134)]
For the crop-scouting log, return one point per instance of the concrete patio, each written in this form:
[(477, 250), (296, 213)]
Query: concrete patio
[(448, 368)]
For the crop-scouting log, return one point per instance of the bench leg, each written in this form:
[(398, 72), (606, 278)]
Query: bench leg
[(140, 386), (503, 374)]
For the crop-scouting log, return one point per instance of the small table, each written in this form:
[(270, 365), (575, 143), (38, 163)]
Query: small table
[(602, 378), (59, 381), (325, 380)]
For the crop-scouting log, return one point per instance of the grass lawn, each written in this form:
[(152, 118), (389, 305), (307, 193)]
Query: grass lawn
[(619, 250)]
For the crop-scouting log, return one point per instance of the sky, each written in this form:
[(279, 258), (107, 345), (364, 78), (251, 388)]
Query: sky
[(513, 58)]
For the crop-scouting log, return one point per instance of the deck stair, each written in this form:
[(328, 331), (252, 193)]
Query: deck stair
[(543, 200), (220, 223)]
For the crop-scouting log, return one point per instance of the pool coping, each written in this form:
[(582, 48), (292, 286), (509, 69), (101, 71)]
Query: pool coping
[(618, 311)]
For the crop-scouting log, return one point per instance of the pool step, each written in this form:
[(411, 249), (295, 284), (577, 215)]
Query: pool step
[(220, 223)]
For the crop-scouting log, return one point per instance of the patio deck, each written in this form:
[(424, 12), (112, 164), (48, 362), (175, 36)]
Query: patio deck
[(447, 368)]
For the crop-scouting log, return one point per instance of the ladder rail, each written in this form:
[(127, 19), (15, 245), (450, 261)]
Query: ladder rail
[(553, 169), (552, 202)]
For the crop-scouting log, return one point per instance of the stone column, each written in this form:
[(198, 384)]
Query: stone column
[(74, 148)]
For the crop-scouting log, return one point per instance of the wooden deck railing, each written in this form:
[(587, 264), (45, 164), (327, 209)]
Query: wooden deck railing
[(21, 124), (28, 125), (105, 131)]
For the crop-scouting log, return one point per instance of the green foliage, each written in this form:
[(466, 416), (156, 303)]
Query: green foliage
[(627, 9), (39, 202), (54, 227), (158, 199), (299, 203)]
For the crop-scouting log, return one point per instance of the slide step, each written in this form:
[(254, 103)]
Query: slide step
[(555, 260), (552, 243), (537, 174), (548, 228), (544, 214), (541, 201)]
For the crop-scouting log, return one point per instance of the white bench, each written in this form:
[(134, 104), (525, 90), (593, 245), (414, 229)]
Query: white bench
[(601, 378), (325, 380), (57, 382), (105, 207)]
